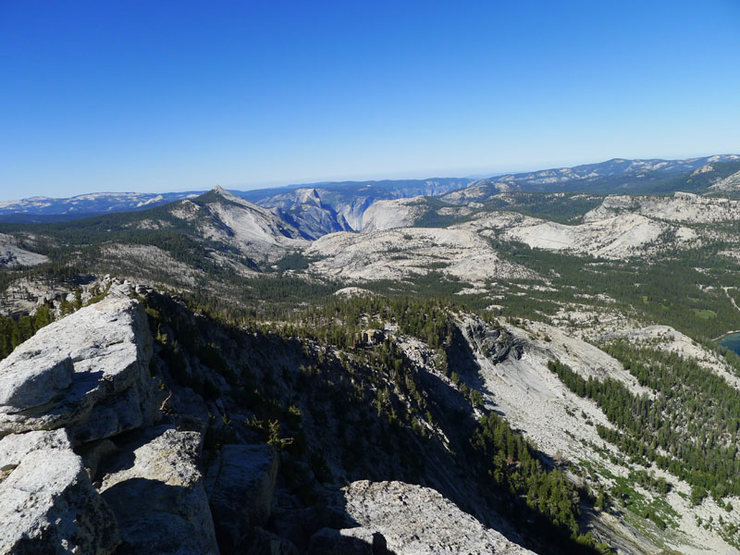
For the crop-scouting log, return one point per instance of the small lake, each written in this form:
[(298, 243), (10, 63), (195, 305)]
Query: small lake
[(731, 341)]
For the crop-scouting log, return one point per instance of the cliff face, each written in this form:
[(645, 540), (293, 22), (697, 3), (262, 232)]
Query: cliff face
[(330, 420)]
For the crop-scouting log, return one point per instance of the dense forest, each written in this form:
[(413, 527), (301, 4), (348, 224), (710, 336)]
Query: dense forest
[(690, 428), (15, 330)]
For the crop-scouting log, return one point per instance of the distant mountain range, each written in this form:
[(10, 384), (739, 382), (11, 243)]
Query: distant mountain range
[(546, 357), (320, 208), (41, 209)]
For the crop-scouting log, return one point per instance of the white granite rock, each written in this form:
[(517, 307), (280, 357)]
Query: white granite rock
[(416, 519), (156, 492), (47, 503), (87, 372)]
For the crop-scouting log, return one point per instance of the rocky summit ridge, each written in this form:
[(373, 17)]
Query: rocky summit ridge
[(101, 454), (78, 397), (87, 374)]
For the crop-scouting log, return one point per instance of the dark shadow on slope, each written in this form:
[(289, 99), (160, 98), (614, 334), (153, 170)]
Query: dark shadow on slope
[(336, 423), (155, 517)]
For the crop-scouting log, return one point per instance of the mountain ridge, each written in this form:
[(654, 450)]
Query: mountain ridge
[(334, 195), (418, 353)]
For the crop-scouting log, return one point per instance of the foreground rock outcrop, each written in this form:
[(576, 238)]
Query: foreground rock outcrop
[(415, 519), (159, 500), (47, 503), (86, 468), (241, 472), (87, 372), (82, 379)]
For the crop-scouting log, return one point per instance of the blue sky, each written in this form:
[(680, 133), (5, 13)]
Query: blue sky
[(162, 96)]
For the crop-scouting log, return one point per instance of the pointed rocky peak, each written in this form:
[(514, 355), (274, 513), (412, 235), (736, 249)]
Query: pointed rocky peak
[(223, 193), (218, 193)]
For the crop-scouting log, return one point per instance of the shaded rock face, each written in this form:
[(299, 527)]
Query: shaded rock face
[(87, 372), (47, 503), (306, 499), (240, 485), (493, 343), (359, 541), (269, 543), (156, 492)]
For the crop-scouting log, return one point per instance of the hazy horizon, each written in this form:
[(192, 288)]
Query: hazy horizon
[(175, 96), (306, 183)]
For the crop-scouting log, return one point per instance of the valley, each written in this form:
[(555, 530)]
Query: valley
[(534, 354)]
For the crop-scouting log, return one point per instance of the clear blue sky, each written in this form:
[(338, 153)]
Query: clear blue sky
[(160, 96)]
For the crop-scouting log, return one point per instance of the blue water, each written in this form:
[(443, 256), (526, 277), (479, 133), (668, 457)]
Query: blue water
[(731, 341)]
